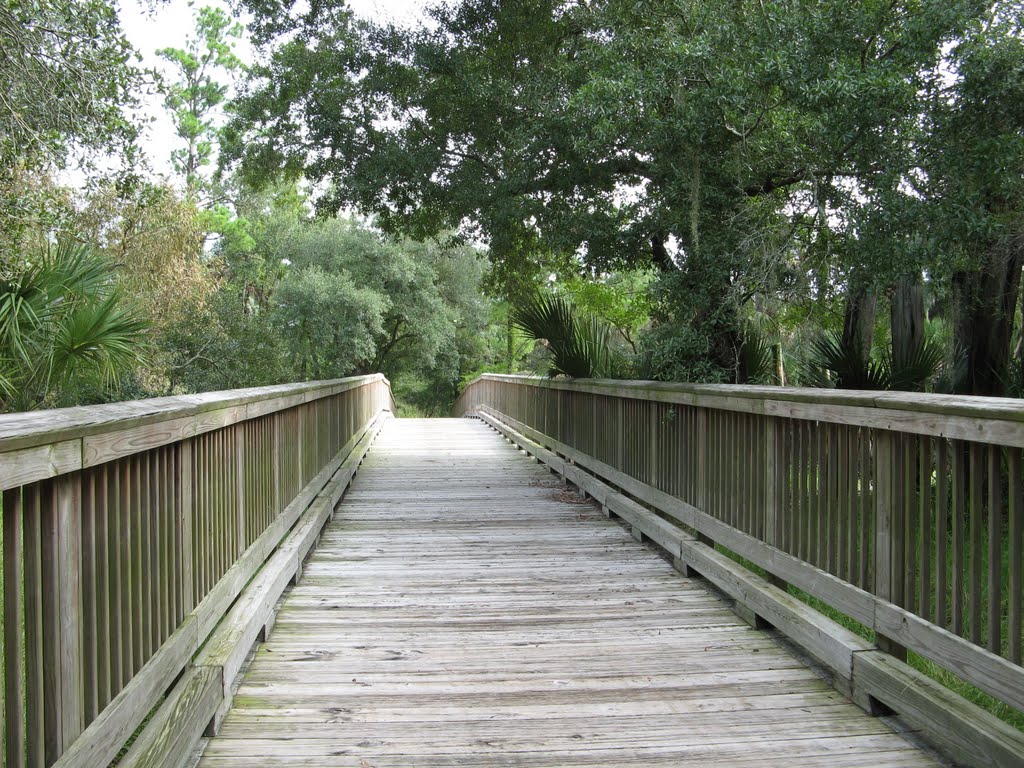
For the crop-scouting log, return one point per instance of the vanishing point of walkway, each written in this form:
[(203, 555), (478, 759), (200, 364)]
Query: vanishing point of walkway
[(461, 610)]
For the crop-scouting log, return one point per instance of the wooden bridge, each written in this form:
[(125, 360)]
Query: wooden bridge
[(464, 600)]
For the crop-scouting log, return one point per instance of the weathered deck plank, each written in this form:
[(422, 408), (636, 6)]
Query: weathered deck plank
[(458, 612)]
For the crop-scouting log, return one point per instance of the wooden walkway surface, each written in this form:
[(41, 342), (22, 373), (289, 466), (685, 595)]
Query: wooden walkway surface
[(460, 612)]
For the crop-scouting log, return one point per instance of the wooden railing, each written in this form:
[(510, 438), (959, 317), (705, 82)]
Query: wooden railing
[(904, 512), (128, 532)]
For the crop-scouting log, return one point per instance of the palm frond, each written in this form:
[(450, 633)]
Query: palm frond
[(578, 347), (103, 334), (832, 363), (917, 368), (62, 321), (757, 357)]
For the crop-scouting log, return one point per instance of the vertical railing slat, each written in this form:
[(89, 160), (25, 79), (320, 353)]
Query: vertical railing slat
[(959, 525), (995, 549), (14, 661), (974, 543), (942, 485), (1015, 559), (34, 656)]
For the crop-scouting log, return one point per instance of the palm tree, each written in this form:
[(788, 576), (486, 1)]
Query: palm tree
[(64, 323), (580, 347), (834, 363)]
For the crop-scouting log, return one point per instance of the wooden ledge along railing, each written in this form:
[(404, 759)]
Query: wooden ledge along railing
[(905, 512), (144, 547)]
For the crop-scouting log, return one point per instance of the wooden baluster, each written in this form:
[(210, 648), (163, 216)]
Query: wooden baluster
[(866, 507), (238, 435), (35, 659), (15, 753), (995, 549), (888, 531), (959, 527), (941, 527), (90, 631), (975, 542), (102, 565), (908, 468), (63, 697), (925, 530), (1016, 554)]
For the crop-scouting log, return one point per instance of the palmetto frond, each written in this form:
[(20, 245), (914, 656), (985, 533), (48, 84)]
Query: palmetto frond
[(579, 347), (62, 317)]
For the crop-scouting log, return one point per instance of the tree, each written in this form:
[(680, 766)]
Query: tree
[(703, 139), (973, 184), (352, 301), (153, 235), (66, 78), (620, 299), (196, 95)]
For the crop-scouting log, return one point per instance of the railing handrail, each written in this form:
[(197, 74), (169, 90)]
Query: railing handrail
[(903, 511), (129, 532), (35, 445), (963, 417), (30, 428)]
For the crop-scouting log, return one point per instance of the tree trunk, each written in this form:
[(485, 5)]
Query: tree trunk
[(859, 319), (986, 302), (509, 328), (659, 254), (780, 364), (907, 317)]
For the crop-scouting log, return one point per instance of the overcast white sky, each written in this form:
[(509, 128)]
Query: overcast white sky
[(169, 24)]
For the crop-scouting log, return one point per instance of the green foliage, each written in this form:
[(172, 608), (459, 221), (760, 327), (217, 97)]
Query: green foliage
[(917, 370), (214, 346), (731, 145), (66, 79), (329, 323), (196, 94), (757, 357), (579, 346), (65, 76), (833, 363), (677, 352), (620, 299), (744, 150), (66, 331)]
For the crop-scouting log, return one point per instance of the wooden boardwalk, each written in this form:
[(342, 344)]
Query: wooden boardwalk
[(461, 612)]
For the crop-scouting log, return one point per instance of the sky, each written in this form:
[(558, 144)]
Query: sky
[(169, 24)]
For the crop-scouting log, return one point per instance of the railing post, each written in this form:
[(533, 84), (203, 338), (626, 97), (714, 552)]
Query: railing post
[(887, 531)]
